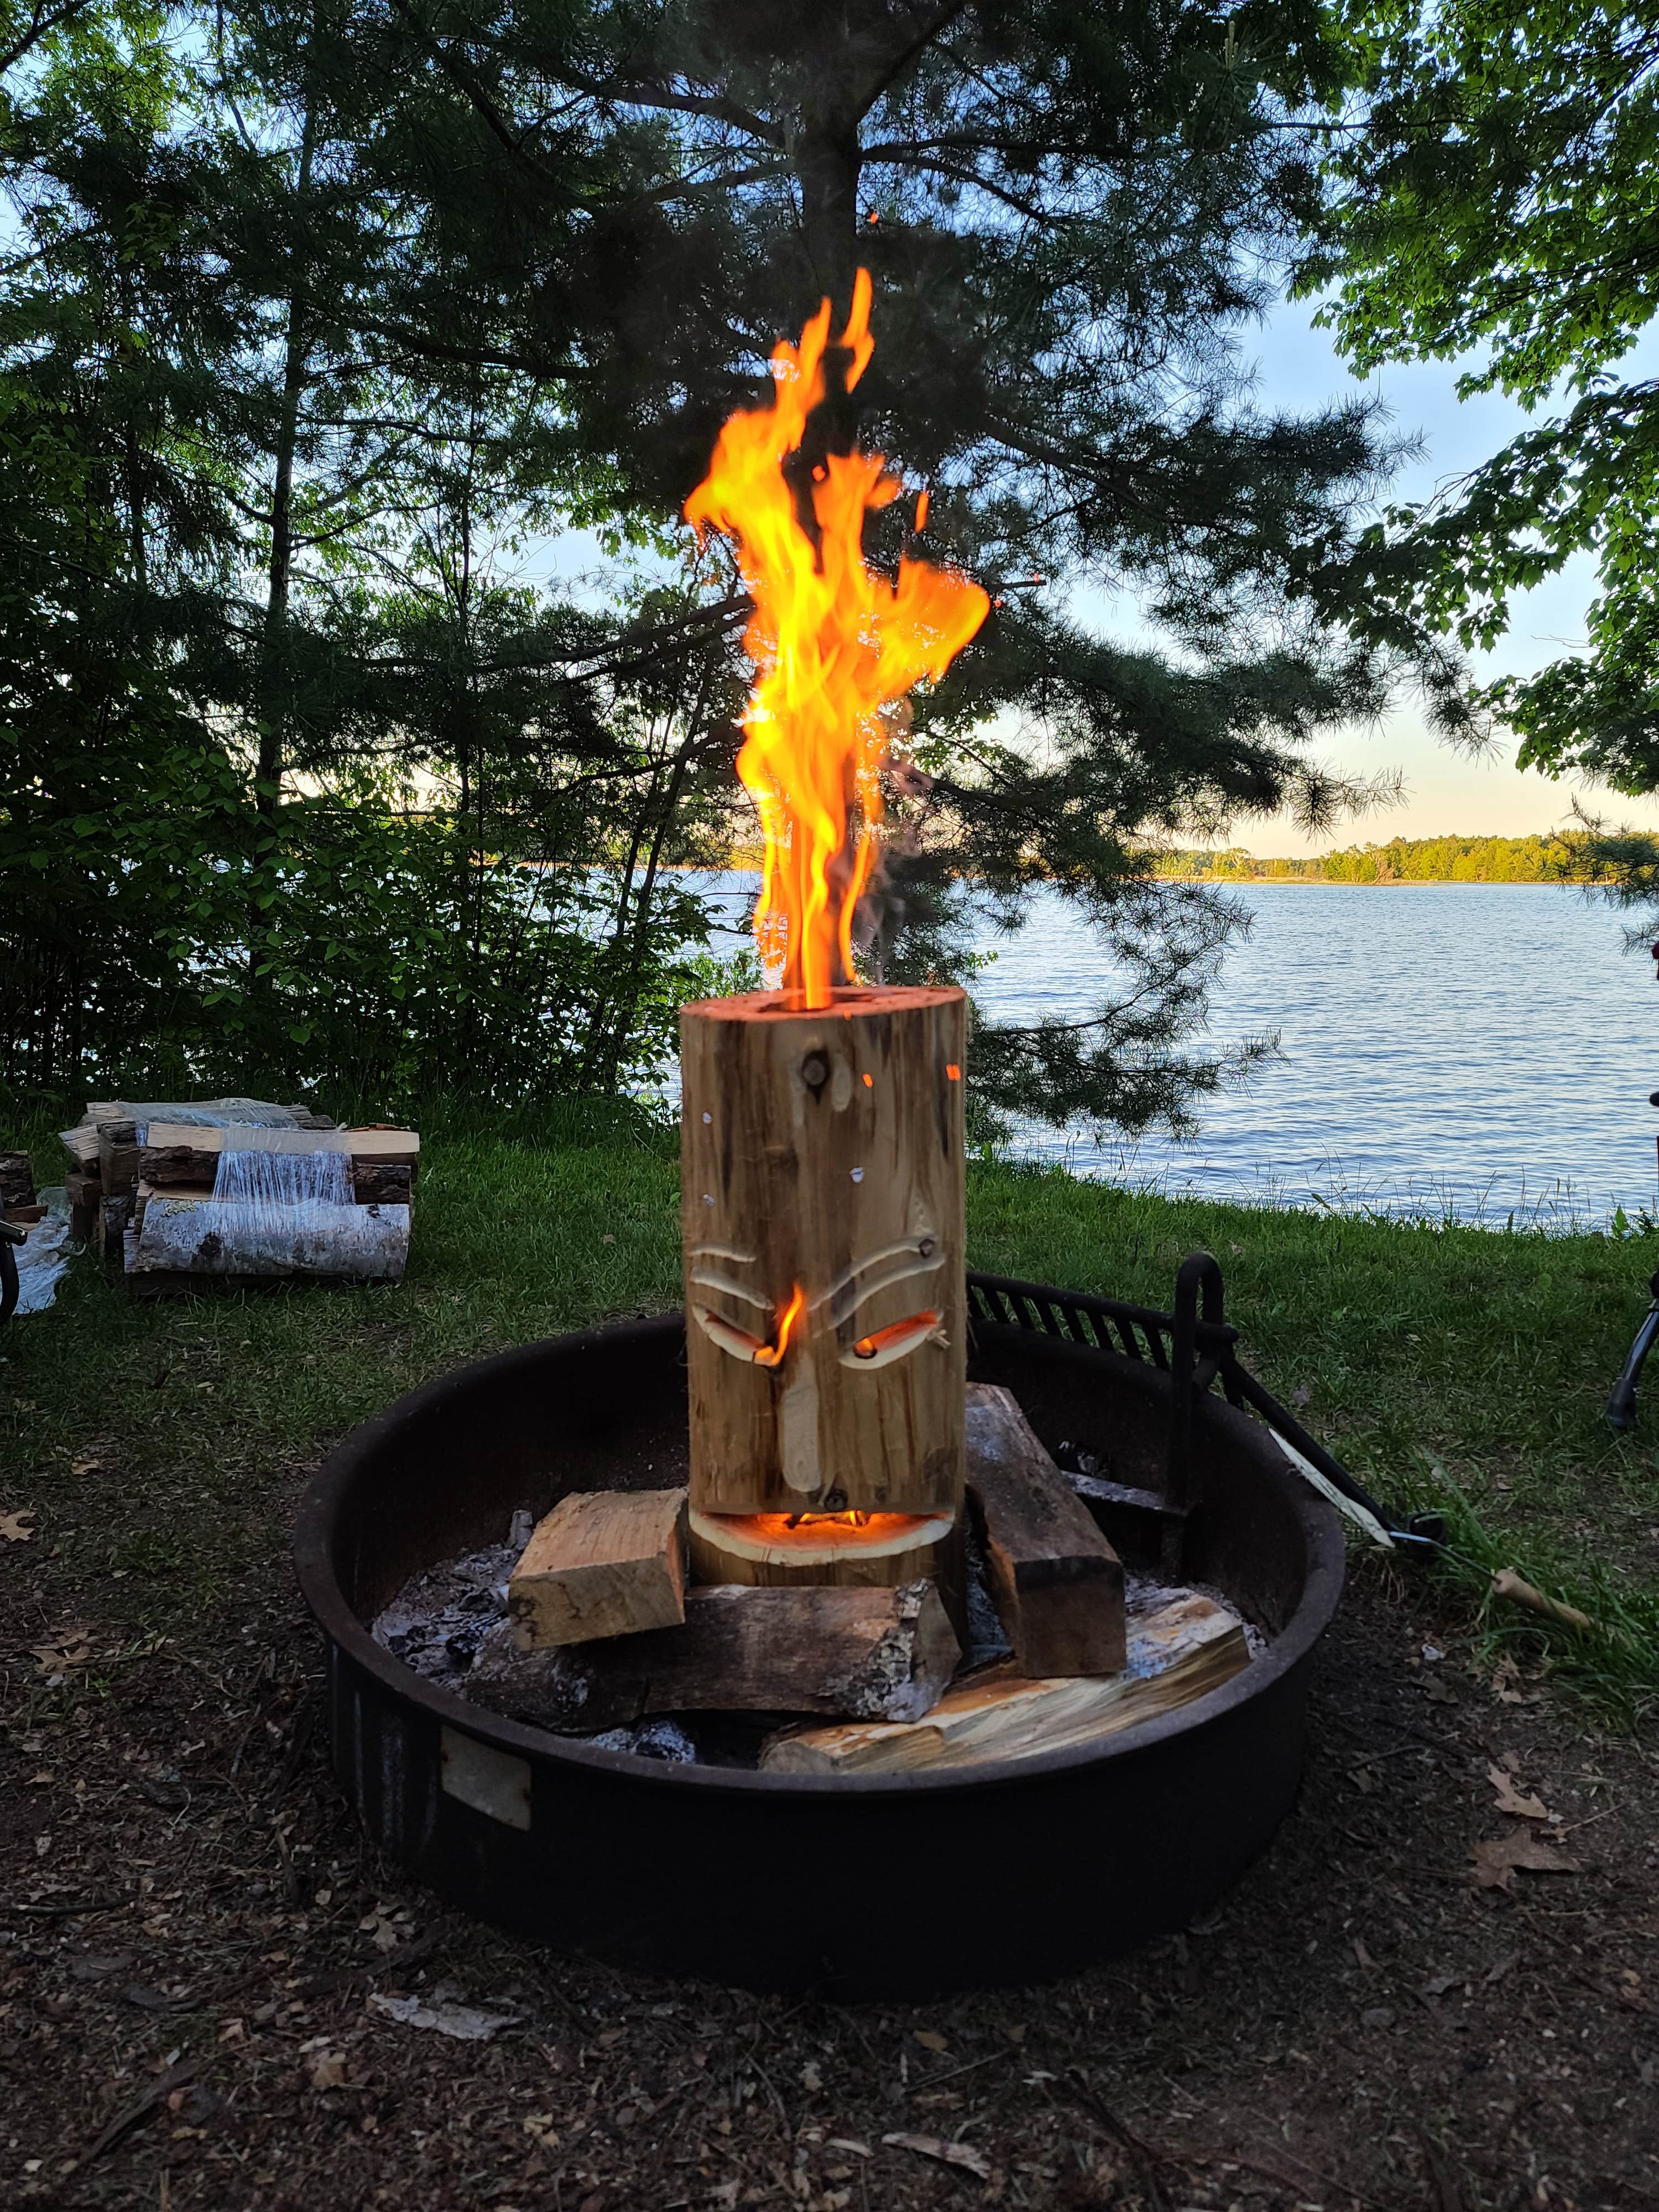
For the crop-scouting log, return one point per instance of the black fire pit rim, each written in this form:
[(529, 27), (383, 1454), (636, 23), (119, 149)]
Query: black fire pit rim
[(321, 1588)]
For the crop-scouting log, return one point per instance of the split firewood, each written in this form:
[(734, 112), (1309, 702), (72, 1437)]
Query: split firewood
[(390, 1147), (16, 1180), (1175, 1655), (83, 1192), (867, 1654), (603, 1563), (81, 1143), (1057, 1583), (118, 1159), (195, 1167)]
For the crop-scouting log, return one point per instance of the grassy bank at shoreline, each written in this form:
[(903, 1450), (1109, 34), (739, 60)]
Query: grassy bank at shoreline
[(160, 1447)]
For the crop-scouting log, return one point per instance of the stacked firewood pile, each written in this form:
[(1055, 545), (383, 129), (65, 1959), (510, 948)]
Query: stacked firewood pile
[(238, 1190), (590, 1623)]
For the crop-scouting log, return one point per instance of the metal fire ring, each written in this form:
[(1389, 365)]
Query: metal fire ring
[(865, 1885)]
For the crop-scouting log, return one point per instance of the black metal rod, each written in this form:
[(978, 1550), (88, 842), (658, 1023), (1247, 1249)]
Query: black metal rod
[(1621, 1405)]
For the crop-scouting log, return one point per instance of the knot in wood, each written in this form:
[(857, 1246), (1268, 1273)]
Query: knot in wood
[(814, 1072)]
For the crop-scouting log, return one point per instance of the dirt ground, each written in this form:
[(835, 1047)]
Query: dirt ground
[(193, 1939)]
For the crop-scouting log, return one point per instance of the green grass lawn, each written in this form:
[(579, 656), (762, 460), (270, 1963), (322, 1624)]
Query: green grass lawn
[(162, 1444)]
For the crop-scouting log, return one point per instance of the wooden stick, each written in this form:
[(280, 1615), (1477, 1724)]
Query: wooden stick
[(1176, 1655), (821, 1176), (874, 1654), (1505, 1582), (602, 1563), (1057, 1583)]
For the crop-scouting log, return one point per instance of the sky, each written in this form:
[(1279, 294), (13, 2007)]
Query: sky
[(1446, 793)]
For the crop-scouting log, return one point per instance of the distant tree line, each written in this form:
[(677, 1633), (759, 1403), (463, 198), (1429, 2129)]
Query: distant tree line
[(1548, 859)]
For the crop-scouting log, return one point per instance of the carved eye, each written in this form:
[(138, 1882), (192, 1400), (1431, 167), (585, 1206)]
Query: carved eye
[(894, 1342)]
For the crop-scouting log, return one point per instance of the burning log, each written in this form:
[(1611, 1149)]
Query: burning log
[(786, 1551), (1057, 1583), (602, 1563), (822, 1206), (871, 1654), (1175, 1655)]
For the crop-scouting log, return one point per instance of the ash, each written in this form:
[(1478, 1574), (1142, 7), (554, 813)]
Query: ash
[(1144, 1594), (439, 1618)]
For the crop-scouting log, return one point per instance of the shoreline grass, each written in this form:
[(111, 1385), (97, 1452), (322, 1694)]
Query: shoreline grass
[(159, 1446)]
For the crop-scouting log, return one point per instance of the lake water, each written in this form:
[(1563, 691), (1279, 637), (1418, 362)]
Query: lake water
[(1477, 1050)]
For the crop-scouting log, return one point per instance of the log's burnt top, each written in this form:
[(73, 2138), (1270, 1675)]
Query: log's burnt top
[(845, 1000)]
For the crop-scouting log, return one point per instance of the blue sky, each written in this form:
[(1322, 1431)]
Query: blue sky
[(1445, 791), (1299, 370)]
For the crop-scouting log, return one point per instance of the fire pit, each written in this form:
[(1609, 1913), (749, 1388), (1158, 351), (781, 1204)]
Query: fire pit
[(877, 1626), (1007, 1872)]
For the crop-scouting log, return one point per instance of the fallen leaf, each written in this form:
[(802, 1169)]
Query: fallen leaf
[(1496, 1860), (931, 2039), (466, 2023), (1509, 1799), (327, 2070), (1439, 1693), (1302, 1395), (850, 2143), (811, 2080), (17, 1528), (948, 2154)]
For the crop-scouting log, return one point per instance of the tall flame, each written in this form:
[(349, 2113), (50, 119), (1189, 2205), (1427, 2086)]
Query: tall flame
[(832, 643)]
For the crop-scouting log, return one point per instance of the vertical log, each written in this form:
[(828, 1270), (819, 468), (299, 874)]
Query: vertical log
[(822, 1208)]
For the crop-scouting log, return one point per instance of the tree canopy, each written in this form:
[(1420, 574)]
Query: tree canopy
[(1493, 173), (323, 306)]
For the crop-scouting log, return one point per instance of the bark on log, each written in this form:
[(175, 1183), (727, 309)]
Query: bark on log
[(871, 1653), (1057, 1583), (83, 1192), (357, 1243), (603, 1563), (16, 1180), (392, 1147), (822, 1212), (1176, 1655), (194, 1167)]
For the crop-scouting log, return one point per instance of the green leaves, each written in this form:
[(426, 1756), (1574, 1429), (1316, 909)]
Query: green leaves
[(1492, 196)]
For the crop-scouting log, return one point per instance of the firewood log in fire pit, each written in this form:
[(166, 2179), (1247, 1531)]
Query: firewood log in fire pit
[(1058, 1584), (602, 1563), (1177, 1654), (865, 1654)]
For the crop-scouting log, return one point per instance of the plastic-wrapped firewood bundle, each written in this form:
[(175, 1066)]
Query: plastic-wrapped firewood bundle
[(237, 1190)]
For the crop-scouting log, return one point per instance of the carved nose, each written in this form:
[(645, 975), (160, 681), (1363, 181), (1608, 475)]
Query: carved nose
[(798, 1427)]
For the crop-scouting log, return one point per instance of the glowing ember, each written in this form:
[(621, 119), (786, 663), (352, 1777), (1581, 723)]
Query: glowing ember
[(840, 1532), (832, 643)]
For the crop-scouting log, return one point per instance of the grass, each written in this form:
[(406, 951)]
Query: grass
[(162, 1444)]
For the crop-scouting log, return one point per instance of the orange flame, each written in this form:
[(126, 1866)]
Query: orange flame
[(771, 1355), (832, 643)]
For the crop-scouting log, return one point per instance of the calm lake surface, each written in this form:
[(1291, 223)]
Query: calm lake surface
[(1480, 1050)]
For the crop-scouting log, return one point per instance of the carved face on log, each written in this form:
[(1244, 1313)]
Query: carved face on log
[(823, 1165)]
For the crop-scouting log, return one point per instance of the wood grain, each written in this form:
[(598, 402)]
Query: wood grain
[(821, 1166), (868, 1653), (602, 1563), (1176, 1655), (1057, 1583)]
